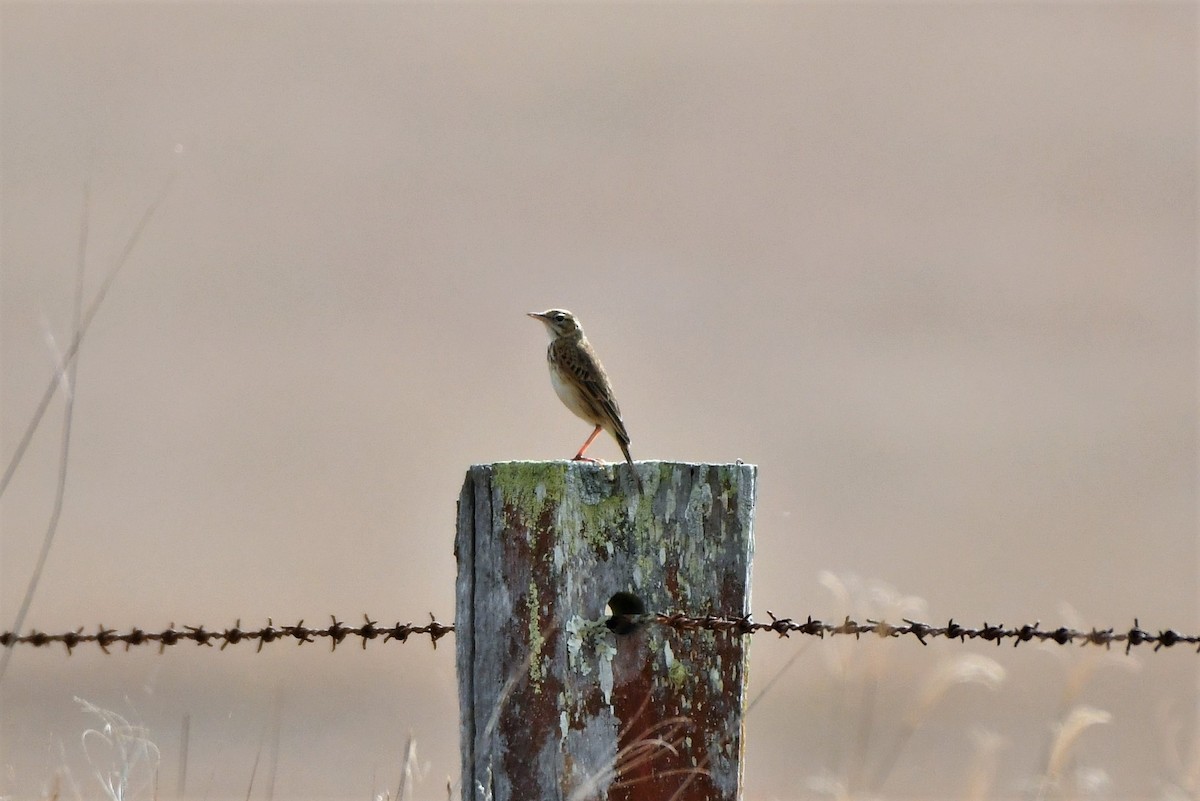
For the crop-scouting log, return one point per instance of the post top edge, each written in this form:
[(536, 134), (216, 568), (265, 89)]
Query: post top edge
[(637, 462)]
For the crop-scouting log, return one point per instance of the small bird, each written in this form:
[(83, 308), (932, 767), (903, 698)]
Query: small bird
[(580, 381)]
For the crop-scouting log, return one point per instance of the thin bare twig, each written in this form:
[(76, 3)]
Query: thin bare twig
[(73, 349), (66, 372)]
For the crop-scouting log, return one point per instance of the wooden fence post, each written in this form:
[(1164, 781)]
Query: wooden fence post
[(555, 706)]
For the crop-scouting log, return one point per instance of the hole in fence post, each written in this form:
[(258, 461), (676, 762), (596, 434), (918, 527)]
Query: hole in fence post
[(624, 611)]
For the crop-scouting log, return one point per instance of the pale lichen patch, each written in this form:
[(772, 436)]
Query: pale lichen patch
[(605, 651), (669, 507), (576, 629), (588, 639)]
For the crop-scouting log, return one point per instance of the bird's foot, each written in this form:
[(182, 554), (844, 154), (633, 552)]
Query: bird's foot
[(581, 458)]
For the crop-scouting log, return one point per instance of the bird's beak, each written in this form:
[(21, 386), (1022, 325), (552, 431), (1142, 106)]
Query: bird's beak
[(537, 316)]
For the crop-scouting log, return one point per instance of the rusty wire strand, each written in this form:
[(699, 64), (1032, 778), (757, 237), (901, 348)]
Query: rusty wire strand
[(785, 626), (338, 632)]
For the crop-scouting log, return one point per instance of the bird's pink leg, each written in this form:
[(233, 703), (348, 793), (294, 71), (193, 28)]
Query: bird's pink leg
[(579, 457)]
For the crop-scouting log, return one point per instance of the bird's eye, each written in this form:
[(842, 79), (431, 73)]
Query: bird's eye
[(558, 318)]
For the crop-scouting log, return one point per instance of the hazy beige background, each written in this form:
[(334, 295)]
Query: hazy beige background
[(931, 266)]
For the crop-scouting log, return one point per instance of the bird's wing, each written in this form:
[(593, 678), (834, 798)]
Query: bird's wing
[(612, 412), (597, 390)]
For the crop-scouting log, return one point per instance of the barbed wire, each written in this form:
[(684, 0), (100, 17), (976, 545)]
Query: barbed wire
[(735, 625), (1136, 635), (336, 633)]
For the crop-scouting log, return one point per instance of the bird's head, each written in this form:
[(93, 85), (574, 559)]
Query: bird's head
[(559, 322)]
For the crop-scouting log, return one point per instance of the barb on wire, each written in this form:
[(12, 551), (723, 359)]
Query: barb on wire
[(733, 625)]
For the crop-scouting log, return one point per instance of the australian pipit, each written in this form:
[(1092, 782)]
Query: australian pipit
[(581, 383)]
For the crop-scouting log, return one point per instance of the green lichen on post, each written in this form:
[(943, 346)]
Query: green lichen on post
[(677, 673), (528, 487), (644, 518), (537, 641), (600, 518)]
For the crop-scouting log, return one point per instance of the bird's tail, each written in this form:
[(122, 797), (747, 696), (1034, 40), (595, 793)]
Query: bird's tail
[(625, 450)]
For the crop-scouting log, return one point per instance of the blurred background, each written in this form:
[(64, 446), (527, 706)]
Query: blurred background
[(931, 266)]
